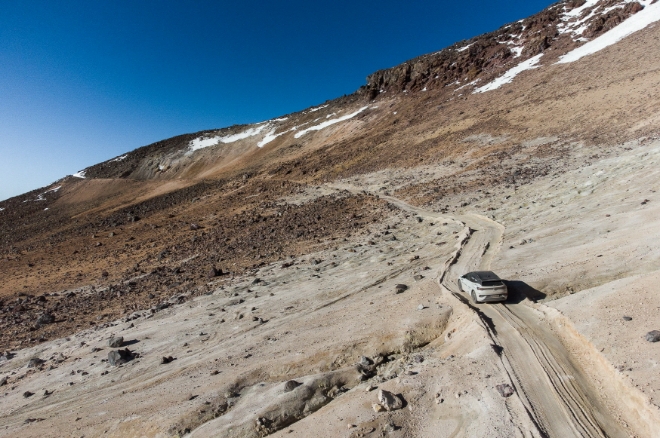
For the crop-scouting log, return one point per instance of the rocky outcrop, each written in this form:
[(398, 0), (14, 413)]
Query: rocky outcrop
[(491, 54)]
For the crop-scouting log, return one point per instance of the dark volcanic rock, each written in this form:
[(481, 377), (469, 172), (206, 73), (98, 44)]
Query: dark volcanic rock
[(291, 385), (653, 336), (116, 342), (45, 318), (118, 357), (35, 362), (505, 390), (399, 288)]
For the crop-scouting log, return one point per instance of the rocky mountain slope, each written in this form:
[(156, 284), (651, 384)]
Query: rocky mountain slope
[(235, 261)]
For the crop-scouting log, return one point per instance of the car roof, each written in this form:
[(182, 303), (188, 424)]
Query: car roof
[(485, 275)]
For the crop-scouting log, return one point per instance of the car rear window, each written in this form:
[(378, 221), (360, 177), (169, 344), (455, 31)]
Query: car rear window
[(492, 283)]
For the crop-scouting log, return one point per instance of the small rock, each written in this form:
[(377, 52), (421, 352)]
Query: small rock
[(421, 307), (399, 288), (35, 362), (118, 357), (627, 318), (45, 318), (370, 388), (3, 381), (418, 277), (291, 385), (377, 408), (116, 342), (505, 390), (166, 359), (365, 361), (194, 227), (350, 426), (653, 336), (391, 402), (27, 394)]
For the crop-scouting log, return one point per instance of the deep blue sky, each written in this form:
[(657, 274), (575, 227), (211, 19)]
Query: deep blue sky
[(84, 81)]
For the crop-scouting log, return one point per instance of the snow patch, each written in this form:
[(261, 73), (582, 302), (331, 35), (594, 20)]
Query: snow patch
[(574, 13), (311, 110), (269, 137), (123, 157), (79, 174), (509, 75), (467, 85), (329, 122), (204, 142), (648, 15), (462, 49)]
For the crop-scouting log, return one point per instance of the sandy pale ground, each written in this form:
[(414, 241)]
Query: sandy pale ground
[(584, 371)]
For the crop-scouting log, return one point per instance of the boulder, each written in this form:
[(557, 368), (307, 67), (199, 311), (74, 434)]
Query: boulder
[(400, 288), (116, 342), (653, 336), (118, 357), (389, 401)]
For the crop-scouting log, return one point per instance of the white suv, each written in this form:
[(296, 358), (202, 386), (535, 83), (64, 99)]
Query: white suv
[(483, 286)]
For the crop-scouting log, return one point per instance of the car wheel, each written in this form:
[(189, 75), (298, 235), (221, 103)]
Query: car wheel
[(474, 298)]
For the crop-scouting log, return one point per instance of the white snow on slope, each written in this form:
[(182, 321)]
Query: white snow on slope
[(650, 14), (2, 209), (123, 157), (311, 110), (269, 137), (202, 142), (79, 174), (574, 13), (509, 75), (329, 122), (465, 47)]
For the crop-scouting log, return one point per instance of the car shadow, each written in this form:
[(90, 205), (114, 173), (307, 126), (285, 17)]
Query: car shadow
[(519, 291)]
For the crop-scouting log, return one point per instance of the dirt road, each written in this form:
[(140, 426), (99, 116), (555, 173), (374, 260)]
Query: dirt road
[(558, 396)]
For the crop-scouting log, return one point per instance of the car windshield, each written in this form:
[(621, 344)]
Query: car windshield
[(491, 283)]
